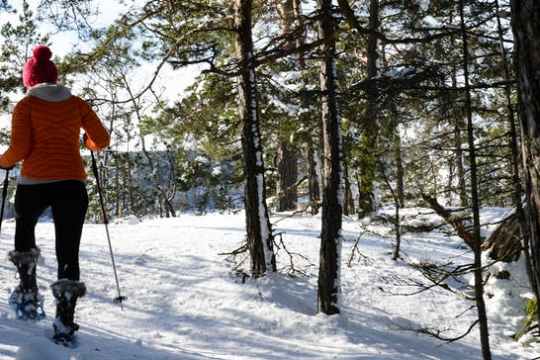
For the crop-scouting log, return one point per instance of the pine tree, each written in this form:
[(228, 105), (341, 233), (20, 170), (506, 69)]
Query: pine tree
[(18, 41), (259, 232), (527, 45), (332, 206), (478, 279), (287, 154)]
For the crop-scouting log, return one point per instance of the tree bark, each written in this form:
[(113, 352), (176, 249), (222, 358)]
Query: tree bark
[(348, 202), (259, 232), (368, 160), (458, 139), (397, 227), (288, 176), (128, 179), (330, 254), (286, 153), (462, 187), (117, 191), (515, 159), (526, 28), (400, 171), (457, 223), (314, 186)]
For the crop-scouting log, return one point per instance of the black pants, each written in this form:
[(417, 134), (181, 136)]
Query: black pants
[(69, 201)]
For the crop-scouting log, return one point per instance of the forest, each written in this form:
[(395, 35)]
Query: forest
[(366, 112)]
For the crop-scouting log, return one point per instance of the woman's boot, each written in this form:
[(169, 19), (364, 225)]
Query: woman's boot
[(25, 299), (66, 292)]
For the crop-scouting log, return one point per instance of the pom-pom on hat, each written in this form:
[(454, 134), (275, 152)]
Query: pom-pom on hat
[(39, 68)]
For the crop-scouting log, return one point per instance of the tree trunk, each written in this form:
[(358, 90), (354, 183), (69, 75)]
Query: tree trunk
[(400, 172), (117, 190), (458, 139), (348, 202), (517, 193), (462, 187), (288, 176), (477, 240), (314, 186), (128, 180), (286, 153), (330, 254), (397, 227), (369, 138), (300, 41), (319, 168), (526, 28), (259, 232)]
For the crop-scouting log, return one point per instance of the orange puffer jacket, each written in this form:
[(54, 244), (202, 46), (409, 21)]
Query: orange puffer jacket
[(45, 135)]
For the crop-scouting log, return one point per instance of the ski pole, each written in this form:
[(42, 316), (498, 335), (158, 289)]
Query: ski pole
[(119, 299), (4, 196)]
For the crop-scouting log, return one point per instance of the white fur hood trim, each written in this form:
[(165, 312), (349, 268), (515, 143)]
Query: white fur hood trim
[(49, 92)]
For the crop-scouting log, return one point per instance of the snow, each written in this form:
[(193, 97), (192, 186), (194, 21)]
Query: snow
[(185, 302), (507, 298), (130, 219), (402, 72), (42, 349)]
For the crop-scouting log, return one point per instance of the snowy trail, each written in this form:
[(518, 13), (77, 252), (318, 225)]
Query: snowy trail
[(184, 303)]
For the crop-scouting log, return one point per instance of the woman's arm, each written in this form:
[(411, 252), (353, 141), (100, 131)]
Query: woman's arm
[(21, 134), (97, 137)]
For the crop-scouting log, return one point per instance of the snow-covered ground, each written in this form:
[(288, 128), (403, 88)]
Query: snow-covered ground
[(185, 302)]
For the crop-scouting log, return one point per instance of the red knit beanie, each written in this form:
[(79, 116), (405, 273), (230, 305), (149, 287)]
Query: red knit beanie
[(39, 68)]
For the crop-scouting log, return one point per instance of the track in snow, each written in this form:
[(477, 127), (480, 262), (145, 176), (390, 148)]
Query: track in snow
[(183, 302)]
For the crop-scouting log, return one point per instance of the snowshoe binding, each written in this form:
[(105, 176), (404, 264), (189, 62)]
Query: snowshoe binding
[(25, 300), (66, 292), (64, 335)]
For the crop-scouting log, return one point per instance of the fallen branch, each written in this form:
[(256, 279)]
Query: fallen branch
[(437, 333), (456, 222), (438, 276), (293, 270), (242, 249), (293, 214), (356, 250)]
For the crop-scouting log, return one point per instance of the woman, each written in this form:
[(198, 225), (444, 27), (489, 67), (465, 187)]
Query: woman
[(45, 135)]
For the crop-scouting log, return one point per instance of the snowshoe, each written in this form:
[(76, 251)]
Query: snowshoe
[(27, 305), (25, 300), (66, 292), (64, 335)]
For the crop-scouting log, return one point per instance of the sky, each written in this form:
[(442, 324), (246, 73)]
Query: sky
[(171, 83), (65, 41)]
